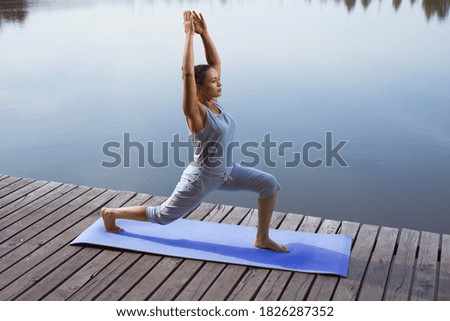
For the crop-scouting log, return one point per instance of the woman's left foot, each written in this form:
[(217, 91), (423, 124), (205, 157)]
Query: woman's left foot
[(270, 245), (109, 220)]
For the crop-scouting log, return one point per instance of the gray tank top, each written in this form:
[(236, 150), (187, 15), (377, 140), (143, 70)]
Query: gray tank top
[(212, 144)]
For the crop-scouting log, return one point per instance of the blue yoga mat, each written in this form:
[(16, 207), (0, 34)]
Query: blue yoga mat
[(218, 242)]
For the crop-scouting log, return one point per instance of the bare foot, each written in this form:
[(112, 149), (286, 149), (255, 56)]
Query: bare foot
[(270, 245), (109, 220)]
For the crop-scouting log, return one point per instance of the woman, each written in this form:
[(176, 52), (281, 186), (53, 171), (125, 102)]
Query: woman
[(211, 131)]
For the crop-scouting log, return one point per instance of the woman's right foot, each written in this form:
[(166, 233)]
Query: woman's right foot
[(270, 245), (109, 220)]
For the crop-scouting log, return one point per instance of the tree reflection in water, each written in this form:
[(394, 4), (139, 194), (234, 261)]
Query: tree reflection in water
[(16, 11), (440, 8), (13, 11)]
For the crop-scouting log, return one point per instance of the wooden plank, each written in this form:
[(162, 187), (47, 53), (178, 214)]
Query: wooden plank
[(25, 200), (310, 224), (374, 282), (255, 278), (276, 281), (232, 274), (14, 187), (209, 212), (134, 274), (106, 277), (81, 277), (154, 278), (138, 271), (195, 289), (83, 283), (305, 280), (32, 225), (425, 278), (347, 288), (329, 227), (227, 280), (273, 286), (33, 206), (69, 267), (5, 182), (298, 287), (19, 231), (217, 214), (298, 284), (203, 280), (174, 284), (53, 250), (151, 283), (32, 249), (45, 285), (39, 265), (119, 289), (400, 279), (291, 222), (251, 282), (324, 285), (444, 271), (23, 191)]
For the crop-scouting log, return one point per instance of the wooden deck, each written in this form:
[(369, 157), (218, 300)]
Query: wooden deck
[(38, 220)]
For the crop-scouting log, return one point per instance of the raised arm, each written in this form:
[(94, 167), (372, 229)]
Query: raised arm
[(190, 101), (212, 56)]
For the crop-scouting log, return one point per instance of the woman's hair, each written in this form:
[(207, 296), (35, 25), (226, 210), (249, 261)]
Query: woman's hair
[(200, 72)]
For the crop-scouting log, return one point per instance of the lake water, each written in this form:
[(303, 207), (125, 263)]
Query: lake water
[(374, 75)]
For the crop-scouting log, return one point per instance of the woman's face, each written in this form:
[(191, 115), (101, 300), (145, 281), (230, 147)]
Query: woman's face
[(211, 87)]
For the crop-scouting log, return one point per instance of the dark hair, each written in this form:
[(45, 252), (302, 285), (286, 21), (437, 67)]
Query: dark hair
[(200, 72)]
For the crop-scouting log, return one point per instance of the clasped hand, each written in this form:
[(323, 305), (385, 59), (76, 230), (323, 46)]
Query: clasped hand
[(194, 23)]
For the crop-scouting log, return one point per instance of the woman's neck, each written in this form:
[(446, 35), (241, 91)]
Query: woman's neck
[(206, 102)]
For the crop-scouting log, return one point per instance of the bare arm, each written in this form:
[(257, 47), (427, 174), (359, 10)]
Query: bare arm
[(211, 54), (190, 102)]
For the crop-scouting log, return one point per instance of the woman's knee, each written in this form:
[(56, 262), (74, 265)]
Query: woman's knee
[(160, 215), (175, 207), (154, 215), (270, 186)]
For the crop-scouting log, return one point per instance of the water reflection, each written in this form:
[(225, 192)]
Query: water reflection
[(365, 3), (68, 85), (16, 11), (13, 11), (438, 8)]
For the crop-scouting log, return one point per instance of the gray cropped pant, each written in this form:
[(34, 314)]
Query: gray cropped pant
[(196, 183)]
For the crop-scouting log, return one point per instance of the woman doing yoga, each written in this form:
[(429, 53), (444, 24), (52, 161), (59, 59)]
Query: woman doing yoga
[(211, 130)]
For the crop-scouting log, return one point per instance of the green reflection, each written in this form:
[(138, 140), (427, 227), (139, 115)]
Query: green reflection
[(16, 11), (13, 11), (440, 8)]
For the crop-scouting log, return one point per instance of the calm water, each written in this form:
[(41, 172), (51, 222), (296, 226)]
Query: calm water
[(75, 75)]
